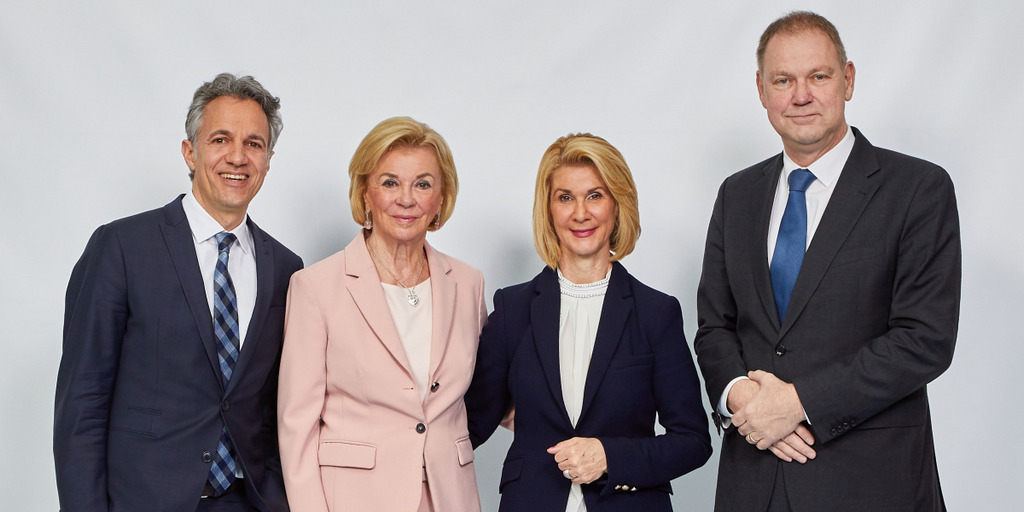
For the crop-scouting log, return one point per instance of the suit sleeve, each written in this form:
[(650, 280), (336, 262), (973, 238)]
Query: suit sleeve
[(273, 490), (488, 398), (686, 444), (717, 344), (923, 317), (301, 396), (95, 320)]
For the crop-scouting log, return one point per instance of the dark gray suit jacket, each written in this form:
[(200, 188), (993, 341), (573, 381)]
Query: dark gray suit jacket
[(140, 397), (872, 319)]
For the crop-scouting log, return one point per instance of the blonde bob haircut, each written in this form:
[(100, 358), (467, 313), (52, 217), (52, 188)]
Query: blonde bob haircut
[(584, 149), (393, 133)]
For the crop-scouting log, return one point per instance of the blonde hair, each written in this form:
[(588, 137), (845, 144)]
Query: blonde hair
[(592, 151), (400, 132)]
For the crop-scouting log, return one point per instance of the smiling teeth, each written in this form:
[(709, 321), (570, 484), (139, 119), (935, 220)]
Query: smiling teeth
[(234, 176)]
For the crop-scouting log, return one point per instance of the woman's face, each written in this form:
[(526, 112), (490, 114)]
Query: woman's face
[(404, 194), (583, 213)]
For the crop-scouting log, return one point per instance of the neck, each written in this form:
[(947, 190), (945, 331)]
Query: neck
[(398, 261), (584, 270)]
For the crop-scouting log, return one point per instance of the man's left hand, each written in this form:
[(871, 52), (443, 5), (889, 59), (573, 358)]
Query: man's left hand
[(772, 414)]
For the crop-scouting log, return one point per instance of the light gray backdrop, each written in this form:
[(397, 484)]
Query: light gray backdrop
[(93, 98)]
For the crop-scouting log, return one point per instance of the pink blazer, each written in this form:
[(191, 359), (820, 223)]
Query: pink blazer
[(353, 432)]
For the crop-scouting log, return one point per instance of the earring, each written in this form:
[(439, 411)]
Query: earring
[(437, 222), (368, 223)]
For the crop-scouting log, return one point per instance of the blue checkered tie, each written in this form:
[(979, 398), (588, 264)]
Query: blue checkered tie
[(225, 327), (792, 241)]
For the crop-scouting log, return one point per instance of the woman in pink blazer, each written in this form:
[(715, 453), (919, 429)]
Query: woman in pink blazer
[(380, 344)]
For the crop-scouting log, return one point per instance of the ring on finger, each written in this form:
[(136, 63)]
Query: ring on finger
[(566, 474), (751, 439)]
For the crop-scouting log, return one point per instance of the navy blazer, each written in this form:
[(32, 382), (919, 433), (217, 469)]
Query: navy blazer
[(641, 367), (872, 320), (140, 399)]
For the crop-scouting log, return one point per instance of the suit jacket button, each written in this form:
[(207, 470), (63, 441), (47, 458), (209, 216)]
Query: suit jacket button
[(835, 431), (420, 428), (434, 386), (780, 350), (207, 457), (224, 406)]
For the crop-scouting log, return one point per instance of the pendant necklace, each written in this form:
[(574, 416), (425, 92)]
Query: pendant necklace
[(411, 297)]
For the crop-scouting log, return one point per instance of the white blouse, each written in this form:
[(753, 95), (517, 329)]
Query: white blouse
[(415, 327), (579, 316)]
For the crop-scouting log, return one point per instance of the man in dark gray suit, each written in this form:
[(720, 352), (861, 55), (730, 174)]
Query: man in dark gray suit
[(829, 299)]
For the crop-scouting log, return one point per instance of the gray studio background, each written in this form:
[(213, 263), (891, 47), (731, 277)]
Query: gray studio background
[(93, 98)]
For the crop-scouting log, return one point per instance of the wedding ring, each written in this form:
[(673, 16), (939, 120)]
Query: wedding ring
[(751, 439), (566, 474)]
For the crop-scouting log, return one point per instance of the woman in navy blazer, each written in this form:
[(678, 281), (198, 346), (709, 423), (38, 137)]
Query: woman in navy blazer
[(583, 357)]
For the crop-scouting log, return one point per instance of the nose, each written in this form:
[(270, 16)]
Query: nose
[(236, 156), (579, 211), (405, 198), (802, 93)]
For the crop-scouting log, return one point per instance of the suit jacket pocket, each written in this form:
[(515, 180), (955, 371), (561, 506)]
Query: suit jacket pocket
[(346, 454), (138, 420), (510, 472), (621, 363), (464, 449)]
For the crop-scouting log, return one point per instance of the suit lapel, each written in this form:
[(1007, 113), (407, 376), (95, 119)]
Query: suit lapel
[(852, 194), (442, 291), (615, 312), (758, 251), (544, 319), (366, 292), (178, 237), (263, 252)]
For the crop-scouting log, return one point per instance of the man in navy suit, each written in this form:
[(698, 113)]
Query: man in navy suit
[(167, 389), (829, 299)]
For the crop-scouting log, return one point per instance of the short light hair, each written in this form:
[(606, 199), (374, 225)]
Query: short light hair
[(393, 133), (796, 22), (244, 88), (584, 149)]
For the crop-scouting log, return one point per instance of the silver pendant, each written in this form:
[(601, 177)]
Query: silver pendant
[(413, 299)]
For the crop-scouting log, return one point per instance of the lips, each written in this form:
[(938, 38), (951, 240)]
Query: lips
[(583, 233)]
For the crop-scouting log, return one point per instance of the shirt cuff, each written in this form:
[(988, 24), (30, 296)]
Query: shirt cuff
[(723, 403)]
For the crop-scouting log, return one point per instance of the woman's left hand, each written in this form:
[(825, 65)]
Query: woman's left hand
[(582, 457)]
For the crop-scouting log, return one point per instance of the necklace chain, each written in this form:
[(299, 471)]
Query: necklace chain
[(411, 297)]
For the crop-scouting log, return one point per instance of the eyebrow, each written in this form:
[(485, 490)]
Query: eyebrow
[(419, 176), (251, 136), (595, 189)]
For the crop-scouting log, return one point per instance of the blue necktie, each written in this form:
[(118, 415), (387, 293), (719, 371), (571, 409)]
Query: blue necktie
[(225, 327), (792, 240)]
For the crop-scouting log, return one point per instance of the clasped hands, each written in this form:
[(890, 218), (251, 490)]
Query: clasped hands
[(770, 416), (581, 459)]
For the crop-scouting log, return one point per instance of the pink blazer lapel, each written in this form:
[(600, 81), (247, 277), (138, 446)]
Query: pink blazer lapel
[(443, 297), (368, 296)]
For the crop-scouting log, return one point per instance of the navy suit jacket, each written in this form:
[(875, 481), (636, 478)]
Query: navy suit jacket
[(872, 319), (641, 366), (140, 399)]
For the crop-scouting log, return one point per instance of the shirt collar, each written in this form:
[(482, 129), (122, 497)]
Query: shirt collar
[(828, 166), (204, 227)]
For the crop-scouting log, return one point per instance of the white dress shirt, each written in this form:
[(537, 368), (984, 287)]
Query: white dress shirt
[(241, 260), (579, 314), (826, 170)]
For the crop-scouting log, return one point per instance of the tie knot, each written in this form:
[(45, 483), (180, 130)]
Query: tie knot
[(224, 240), (800, 179)]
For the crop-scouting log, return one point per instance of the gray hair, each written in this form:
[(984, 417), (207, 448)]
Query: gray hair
[(244, 88)]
